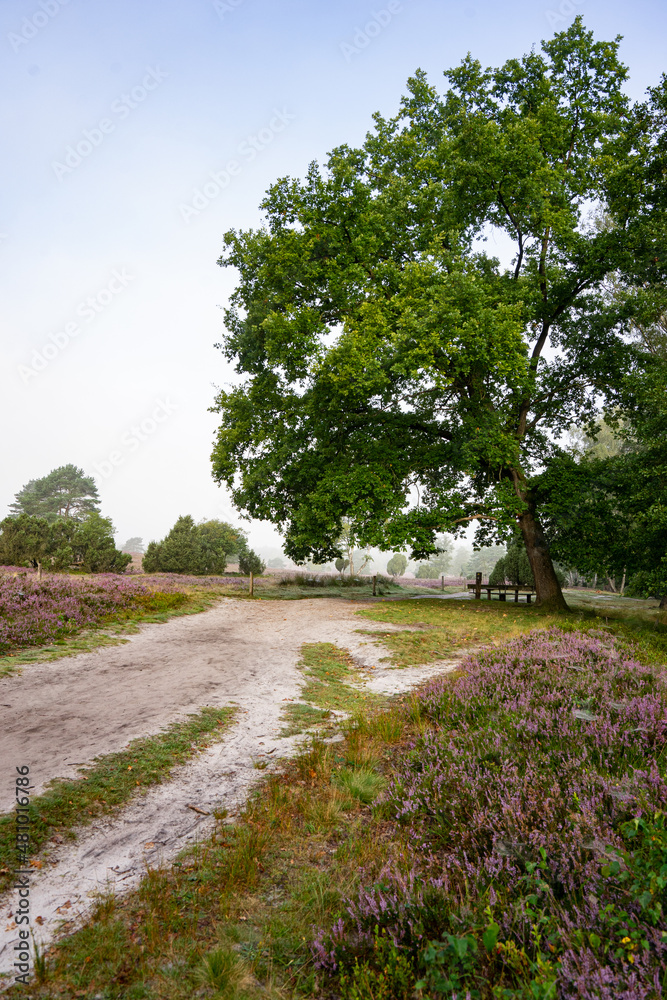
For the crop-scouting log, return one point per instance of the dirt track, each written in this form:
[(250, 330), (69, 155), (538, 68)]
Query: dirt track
[(59, 714)]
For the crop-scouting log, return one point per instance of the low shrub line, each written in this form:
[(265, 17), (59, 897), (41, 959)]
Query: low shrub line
[(36, 612)]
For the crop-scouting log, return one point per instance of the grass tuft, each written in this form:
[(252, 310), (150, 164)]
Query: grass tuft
[(360, 783), (223, 971)]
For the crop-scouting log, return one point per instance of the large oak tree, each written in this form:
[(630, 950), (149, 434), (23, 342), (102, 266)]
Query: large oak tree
[(395, 373)]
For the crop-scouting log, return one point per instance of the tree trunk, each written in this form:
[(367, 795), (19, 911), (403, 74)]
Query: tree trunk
[(549, 594), (622, 583), (612, 584)]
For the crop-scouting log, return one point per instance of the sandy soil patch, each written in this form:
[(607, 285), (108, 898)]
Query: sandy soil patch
[(60, 714)]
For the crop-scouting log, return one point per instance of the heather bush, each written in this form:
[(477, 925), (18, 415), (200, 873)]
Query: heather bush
[(535, 848), (35, 612)]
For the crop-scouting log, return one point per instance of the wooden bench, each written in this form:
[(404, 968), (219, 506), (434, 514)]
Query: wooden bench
[(501, 589)]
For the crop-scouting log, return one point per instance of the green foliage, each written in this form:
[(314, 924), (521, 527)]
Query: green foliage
[(437, 377), (516, 566), (62, 544), (250, 562), (397, 565), (94, 548), (198, 549), (65, 492), (24, 539), (222, 970), (387, 976), (360, 783), (498, 572)]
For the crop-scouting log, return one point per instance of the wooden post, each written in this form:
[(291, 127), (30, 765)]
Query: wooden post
[(39, 571), (442, 583), (478, 586), (375, 580), (251, 586)]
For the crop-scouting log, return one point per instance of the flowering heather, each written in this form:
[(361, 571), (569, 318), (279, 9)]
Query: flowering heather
[(170, 582), (536, 838), (34, 612)]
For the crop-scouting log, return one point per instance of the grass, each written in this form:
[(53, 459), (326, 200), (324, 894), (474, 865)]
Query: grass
[(333, 684), (299, 717), (110, 782), (441, 627)]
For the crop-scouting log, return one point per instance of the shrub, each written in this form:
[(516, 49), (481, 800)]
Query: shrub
[(397, 565), (198, 549), (250, 562), (34, 612), (498, 573)]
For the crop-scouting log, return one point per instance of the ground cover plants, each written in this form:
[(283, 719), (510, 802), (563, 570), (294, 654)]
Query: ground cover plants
[(34, 612), (110, 782), (537, 848), (439, 627), (63, 614), (500, 831)]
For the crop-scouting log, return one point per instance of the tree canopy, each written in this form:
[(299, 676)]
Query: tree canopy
[(65, 492), (61, 544), (396, 374)]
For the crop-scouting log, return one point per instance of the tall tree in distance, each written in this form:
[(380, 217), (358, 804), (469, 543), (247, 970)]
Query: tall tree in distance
[(65, 492), (397, 376)]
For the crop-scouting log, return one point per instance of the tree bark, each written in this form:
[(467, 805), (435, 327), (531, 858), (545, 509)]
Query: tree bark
[(549, 594)]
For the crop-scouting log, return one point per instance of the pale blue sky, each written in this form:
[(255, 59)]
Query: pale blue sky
[(169, 93)]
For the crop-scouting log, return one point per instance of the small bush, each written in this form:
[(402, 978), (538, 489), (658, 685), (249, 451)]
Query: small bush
[(250, 562)]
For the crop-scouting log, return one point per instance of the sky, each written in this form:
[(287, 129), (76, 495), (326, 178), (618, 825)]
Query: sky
[(135, 134)]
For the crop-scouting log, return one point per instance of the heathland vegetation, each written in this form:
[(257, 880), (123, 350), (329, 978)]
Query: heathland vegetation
[(500, 834)]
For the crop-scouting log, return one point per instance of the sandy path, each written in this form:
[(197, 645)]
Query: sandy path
[(57, 714)]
